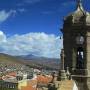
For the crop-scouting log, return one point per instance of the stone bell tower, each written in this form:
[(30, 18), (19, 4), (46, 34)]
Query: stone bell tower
[(76, 42)]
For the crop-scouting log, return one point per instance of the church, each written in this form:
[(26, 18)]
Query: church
[(74, 73)]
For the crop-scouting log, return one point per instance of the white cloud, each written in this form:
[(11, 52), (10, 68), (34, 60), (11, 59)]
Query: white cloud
[(41, 44), (5, 15), (67, 3), (22, 10), (2, 37), (13, 12)]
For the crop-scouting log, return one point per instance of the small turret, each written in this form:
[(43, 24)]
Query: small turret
[(62, 73), (68, 74)]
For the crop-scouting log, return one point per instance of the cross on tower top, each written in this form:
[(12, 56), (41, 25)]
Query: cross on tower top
[(79, 3)]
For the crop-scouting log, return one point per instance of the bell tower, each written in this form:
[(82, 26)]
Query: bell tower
[(76, 42)]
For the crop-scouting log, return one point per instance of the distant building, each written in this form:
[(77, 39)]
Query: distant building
[(24, 81), (14, 81)]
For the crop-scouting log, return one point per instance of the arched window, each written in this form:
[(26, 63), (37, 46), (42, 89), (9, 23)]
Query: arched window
[(80, 58)]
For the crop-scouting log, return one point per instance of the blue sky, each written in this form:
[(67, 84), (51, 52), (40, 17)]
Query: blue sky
[(26, 16), (21, 18)]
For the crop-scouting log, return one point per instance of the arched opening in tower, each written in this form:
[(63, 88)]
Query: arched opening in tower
[(80, 58)]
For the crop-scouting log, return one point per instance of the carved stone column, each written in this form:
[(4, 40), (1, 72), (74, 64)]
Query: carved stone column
[(62, 73)]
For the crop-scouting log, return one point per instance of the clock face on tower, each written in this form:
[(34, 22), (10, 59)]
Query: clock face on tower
[(79, 39)]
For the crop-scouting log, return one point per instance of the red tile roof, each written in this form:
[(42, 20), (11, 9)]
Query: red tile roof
[(12, 74), (44, 79), (40, 79)]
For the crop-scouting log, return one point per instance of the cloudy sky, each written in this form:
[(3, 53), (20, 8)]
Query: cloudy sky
[(32, 26)]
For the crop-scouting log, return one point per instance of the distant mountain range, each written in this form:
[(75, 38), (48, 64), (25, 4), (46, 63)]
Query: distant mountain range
[(27, 57), (31, 60), (34, 57)]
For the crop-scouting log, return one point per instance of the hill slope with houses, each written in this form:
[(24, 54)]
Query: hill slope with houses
[(31, 61)]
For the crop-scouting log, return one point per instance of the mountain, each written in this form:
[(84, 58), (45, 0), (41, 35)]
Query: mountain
[(51, 63), (30, 56), (34, 57), (31, 61), (9, 59)]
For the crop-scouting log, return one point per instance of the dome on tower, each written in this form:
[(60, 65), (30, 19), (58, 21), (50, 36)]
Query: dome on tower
[(79, 16)]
